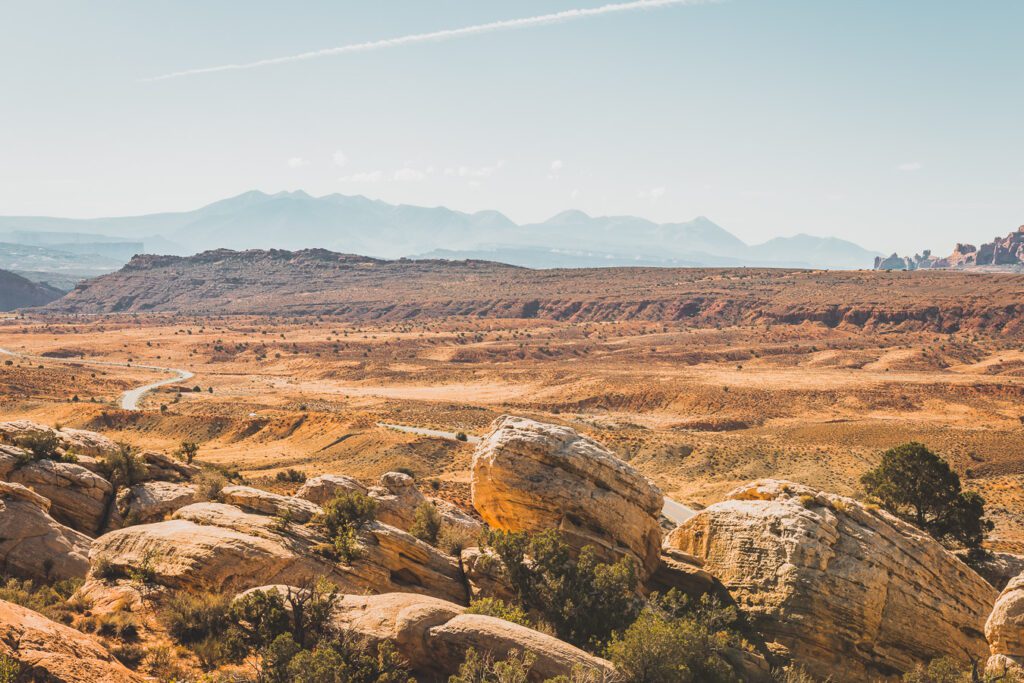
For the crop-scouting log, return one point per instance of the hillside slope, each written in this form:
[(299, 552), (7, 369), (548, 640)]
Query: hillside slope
[(361, 288), (18, 292)]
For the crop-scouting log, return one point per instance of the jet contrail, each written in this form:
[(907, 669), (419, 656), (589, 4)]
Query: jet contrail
[(446, 34)]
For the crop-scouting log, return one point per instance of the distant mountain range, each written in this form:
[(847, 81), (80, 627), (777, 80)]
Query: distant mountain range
[(358, 225)]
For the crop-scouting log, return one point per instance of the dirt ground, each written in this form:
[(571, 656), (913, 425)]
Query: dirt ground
[(698, 410)]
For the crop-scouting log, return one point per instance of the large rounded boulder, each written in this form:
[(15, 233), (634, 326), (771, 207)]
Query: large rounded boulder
[(532, 476), (849, 592), (1005, 629)]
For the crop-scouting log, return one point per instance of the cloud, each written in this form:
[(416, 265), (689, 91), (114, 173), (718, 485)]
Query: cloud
[(556, 165), (340, 158), (296, 162), (445, 34), (653, 193), (363, 177), (477, 172), (910, 166), (409, 175)]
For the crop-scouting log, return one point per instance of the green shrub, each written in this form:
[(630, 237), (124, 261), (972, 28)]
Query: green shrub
[(341, 521), (41, 446), (426, 523), (453, 539), (188, 451), (51, 600), (129, 654), (10, 669), (192, 617), (916, 484), (344, 659), (292, 476), (673, 641), (495, 607), (209, 485), (584, 600), (105, 570), (123, 467), (477, 668)]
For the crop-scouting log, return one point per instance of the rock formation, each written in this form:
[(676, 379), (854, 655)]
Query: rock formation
[(846, 590), (1004, 252), (216, 546), (77, 441), (32, 544), (530, 476), (1005, 630), (78, 498), (434, 635), (48, 651), (152, 501)]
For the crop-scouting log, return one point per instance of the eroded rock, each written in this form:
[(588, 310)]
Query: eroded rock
[(1005, 629), (79, 498), (531, 476), (152, 501), (851, 593), (33, 545)]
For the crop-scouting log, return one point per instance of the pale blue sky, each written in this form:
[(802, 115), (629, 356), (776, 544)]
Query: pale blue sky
[(898, 124)]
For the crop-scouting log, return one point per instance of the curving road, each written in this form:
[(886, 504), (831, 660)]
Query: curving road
[(129, 399)]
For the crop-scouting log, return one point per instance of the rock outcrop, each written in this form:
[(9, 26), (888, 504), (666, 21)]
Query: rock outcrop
[(221, 547), (78, 497), (266, 503), (1001, 252), (531, 476), (434, 635), (846, 590), (32, 544), (48, 651), (321, 489), (152, 501), (77, 441), (1005, 630)]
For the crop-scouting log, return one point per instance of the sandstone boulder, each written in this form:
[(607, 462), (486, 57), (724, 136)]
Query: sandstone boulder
[(164, 467), (531, 476), (321, 489), (434, 635), (49, 651), (851, 593), (264, 502), (221, 547), (398, 498), (76, 441), (32, 544), (79, 498), (152, 501), (1005, 629)]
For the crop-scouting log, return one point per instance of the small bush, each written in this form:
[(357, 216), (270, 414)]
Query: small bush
[(52, 600), (10, 669), (124, 467), (192, 617), (105, 570), (341, 520), (291, 476), (426, 523), (477, 668), (584, 600), (209, 485), (129, 654), (454, 539), (42, 446), (461, 436), (495, 607), (188, 451), (344, 659)]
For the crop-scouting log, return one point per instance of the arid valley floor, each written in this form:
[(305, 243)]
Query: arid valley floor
[(696, 409)]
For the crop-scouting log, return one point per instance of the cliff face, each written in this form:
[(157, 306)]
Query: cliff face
[(1002, 252), (356, 288)]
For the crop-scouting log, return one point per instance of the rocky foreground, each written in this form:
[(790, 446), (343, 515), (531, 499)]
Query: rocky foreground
[(844, 590)]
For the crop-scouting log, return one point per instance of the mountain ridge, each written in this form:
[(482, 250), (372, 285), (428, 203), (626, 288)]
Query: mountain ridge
[(357, 224)]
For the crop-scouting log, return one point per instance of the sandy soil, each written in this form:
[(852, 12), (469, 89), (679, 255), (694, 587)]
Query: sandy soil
[(697, 410)]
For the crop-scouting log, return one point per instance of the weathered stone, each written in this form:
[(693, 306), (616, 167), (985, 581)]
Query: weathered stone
[(485, 574), (398, 499), (434, 635), (852, 593), (32, 544), (79, 498), (297, 510), (49, 651), (163, 467), (221, 547), (152, 501), (531, 476), (76, 441), (1005, 629), (321, 489)]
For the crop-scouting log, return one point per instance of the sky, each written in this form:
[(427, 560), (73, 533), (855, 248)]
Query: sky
[(896, 124)]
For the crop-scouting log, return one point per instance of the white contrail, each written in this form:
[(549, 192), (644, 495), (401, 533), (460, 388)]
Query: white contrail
[(446, 34)]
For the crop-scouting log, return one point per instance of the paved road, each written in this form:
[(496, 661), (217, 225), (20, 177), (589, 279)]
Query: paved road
[(129, 399)]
